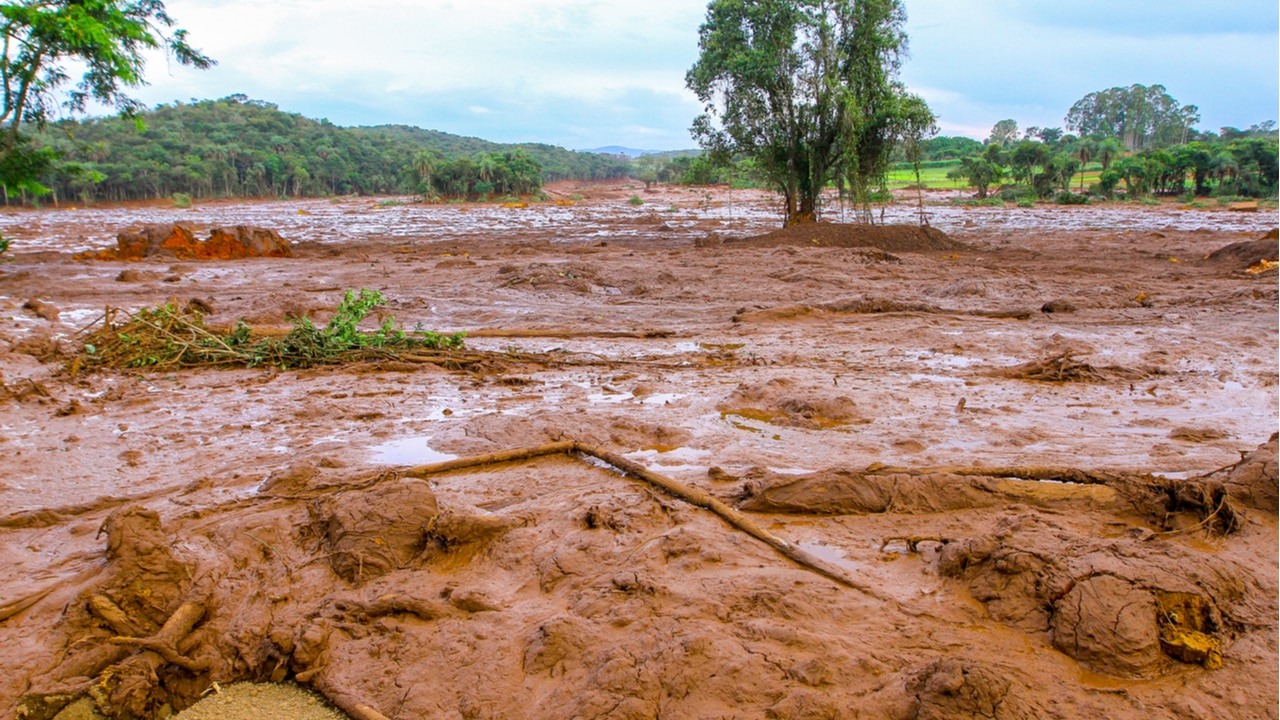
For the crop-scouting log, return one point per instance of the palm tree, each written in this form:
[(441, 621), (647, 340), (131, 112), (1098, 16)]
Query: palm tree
[(1108, 150), (1084, 150), (424, 163)]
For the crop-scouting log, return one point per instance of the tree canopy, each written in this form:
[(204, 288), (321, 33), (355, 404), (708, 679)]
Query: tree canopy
[(45, 41), (808, 90), (236, 146), (1141, 117)]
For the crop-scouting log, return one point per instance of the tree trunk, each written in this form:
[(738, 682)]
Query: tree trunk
[(806, 212)]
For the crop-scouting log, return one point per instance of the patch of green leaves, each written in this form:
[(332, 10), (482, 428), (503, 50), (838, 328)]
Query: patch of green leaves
[(167, 336)]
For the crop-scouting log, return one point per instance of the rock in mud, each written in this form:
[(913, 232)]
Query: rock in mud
[(952, 689), (1109, 625), (1246, 253), (43, 310), (373, 532), (1254, 483), (782, 401)]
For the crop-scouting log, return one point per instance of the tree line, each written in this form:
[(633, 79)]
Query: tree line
[(1137, 139), (238, 147)]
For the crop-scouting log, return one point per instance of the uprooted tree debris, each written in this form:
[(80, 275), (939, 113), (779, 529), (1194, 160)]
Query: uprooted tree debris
[(174, 336), (154, 629)]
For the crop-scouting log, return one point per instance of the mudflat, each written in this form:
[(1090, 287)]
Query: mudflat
[(1019, 464)]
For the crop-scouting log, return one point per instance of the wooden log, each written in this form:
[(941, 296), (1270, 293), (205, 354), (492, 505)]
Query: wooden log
[(495, 458), (1029, 472), (736, 519)]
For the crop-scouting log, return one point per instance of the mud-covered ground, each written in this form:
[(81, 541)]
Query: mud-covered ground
[(259, 525)]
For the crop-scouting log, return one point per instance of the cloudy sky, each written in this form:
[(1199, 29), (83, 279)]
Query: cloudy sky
[(588, 73)]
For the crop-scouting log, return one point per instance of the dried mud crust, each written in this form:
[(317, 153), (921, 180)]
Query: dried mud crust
[(277, 542)]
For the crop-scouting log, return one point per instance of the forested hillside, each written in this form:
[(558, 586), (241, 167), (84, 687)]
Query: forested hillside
[(237, 147)]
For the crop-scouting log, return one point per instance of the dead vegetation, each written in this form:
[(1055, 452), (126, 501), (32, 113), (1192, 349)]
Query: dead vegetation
[(1065, 367)]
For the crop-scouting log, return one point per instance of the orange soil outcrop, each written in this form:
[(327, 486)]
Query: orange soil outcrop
[(179, 241)]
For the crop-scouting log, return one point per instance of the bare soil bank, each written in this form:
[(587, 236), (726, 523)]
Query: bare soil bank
[(1022, 454)]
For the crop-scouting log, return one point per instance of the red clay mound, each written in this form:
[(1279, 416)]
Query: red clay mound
[(179, 241), (1247, 254), (892, 238)]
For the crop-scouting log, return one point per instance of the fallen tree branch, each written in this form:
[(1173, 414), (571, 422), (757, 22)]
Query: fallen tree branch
[(1029, 472), (733, 517)]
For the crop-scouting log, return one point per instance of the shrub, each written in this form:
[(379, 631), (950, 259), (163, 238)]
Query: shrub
[(1028, 203), (1016, 193), (636, 200), (1066, 197), (181, 200)]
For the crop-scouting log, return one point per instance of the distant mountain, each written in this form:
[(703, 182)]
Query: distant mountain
[(619, 150)]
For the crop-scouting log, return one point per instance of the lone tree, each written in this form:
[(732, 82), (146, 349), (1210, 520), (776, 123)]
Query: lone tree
[(809, 90), (44, 41)]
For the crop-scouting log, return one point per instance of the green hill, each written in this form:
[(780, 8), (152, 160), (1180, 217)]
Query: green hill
[(237, 147)]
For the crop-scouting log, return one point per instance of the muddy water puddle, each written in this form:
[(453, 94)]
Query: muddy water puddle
[(408, 451)]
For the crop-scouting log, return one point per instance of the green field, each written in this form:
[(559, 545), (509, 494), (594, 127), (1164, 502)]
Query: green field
[(935, 177)]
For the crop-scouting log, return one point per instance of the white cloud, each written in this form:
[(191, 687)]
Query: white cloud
[(596, 72)]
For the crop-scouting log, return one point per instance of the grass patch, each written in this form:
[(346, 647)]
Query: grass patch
[(636, 200)]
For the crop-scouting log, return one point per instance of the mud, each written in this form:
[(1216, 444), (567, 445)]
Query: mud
[(179, 242), (1092, 534)]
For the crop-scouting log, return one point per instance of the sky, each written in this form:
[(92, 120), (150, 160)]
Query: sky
[(590, 73)]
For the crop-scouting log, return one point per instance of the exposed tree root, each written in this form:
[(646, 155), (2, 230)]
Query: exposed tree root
[(125, 672)]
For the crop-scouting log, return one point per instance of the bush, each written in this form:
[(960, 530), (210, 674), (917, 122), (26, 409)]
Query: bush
[(880, 196), (1066, 197), (636, 200), (1016, 193), (181, 200), (1027, 203)]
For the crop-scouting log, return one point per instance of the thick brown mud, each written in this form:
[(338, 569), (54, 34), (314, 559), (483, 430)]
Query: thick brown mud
[(1030, 473)]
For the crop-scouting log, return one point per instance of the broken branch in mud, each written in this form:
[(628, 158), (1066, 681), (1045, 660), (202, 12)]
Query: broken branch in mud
[(1064, 367), (1030, 472), (173, 337), (567, 333), (733, 517), (672, 487)]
